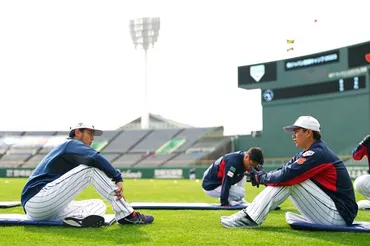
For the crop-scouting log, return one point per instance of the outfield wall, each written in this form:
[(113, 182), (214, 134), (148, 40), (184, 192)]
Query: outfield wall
[(355, 170)]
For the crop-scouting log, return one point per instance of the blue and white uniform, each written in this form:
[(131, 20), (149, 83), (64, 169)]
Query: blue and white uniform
[(63, 173), (316, 181), (225, 179), (362, 183)]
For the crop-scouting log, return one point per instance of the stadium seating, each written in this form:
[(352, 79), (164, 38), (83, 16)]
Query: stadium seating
[(155, 159), (123, 148), (154, 140), (34, 160), (125, 141), (14, 159), (127, 160), (192, 136), (185, 159)]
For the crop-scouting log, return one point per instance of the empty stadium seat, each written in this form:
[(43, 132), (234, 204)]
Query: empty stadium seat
[(191, 135), (13, 160), (155, 160), (7, 139), (125, 141), (155, 140), (34, 160), (127, 160), (185, 159), (110, 157), (40, 133), (100, 142), (54, 141)]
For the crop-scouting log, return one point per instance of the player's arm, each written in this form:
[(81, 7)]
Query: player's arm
[(362, 149), (229, 172), (80, 153), (294, 158), (296, 172)]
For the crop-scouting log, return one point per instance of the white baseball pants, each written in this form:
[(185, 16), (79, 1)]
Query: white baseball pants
[(236, 192), (55, 200), (362, 185), (313, 203)]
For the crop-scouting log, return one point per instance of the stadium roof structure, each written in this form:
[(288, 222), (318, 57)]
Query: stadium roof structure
[(155, 122)]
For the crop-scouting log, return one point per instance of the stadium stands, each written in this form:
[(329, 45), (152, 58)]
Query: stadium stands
[(192, 136), (186, 159), (124, 148), (127, 159), (154, 140), (14, 159), (155, 159), (125, 141), (34, 160)]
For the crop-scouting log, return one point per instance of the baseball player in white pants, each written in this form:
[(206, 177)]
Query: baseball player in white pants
[(225, 178), (67, 170), (362, 183), (57, 196), (236, 192), (316, 181)]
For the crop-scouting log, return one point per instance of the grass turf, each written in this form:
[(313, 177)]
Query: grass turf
[(171, 227)]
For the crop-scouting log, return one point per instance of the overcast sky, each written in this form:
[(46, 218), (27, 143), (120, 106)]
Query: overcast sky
[(62, 62)]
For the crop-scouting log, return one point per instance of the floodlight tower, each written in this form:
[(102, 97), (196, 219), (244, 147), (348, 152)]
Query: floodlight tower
[(144, 31)]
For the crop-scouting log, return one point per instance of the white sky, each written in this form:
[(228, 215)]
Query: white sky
[(62, 62)]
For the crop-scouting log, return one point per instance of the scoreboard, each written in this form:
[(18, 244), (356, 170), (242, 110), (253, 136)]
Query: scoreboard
[(332, 86)]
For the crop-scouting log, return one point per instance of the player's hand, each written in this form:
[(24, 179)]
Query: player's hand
[(258, 175), (366, 140), (119, 191), (254, 181)]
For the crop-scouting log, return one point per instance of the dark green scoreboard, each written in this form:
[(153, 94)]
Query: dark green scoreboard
[(333, 86)]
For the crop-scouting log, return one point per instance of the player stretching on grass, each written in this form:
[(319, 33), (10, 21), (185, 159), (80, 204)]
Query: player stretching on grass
[(67, 170), (225, 178), (316, 181)]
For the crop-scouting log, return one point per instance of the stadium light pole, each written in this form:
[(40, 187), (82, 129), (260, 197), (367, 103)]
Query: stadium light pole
[(144, 31)]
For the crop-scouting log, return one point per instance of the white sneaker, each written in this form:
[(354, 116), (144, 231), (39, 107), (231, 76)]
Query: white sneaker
[(244, 202), (363, 205), (239, 220), (238, 202), (241, 212)]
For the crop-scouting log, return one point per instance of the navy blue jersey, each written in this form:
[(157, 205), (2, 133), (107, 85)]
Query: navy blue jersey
[(362, 150), (62, 159), (326, 170), (225, 171)]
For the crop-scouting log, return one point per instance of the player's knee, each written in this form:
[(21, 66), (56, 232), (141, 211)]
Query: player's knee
[(361, 182)]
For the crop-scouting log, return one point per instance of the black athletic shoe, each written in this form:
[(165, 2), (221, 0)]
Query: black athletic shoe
[(83, 222), (136, 218)]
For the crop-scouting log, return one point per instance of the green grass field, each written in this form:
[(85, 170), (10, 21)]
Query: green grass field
[(172, 227)]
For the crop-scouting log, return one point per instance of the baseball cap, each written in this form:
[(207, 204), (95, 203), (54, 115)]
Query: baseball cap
[(88, 126), (306, 122)]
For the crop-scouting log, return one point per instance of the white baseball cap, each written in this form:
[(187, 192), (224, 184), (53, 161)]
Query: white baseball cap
[(306, 122), (88, 126)]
